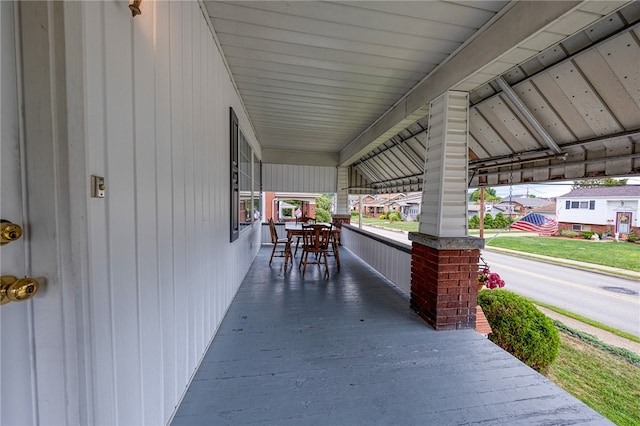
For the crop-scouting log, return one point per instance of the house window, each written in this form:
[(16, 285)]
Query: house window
[(246, 181), (591, 205), (235, 187), (576, 227)]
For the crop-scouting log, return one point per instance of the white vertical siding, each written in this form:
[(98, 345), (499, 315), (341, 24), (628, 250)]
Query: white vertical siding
[(342, 191), (445, 178), (297, 178), (383, 255), (157, 113)]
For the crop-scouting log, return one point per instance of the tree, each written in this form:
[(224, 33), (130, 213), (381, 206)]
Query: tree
[(323, 208), (501, 221), (596, 183), (489, 195), (489, 221), (474, 222)]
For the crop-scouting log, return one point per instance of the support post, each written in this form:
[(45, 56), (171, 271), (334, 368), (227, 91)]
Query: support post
[(444, 264)]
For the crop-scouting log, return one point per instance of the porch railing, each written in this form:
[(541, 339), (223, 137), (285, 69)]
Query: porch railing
[(390, 258)]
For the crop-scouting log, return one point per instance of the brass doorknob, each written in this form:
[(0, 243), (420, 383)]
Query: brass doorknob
[(13, 289), (9, 232)]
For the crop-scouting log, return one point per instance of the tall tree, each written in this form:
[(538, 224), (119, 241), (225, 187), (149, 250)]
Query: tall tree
[(489, 195), (596, 183)]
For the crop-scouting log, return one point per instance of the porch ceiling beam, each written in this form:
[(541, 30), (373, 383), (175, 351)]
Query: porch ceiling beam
[(543, 153), (520, 22), (520, 106)]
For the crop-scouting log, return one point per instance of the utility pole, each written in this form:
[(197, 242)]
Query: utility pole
[(482, 212)]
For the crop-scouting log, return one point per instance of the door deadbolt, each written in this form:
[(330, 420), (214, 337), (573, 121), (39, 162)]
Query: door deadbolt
[(13, 289), (9, 232)]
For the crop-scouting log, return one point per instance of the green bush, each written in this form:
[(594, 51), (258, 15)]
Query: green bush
[(488, 221), (568, 233), (520, 328), (500, 221), (394, 216), (587, 235), (633, 237), (383, 216), (474, 222)]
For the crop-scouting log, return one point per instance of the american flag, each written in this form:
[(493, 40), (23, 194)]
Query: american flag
[(535, 222)]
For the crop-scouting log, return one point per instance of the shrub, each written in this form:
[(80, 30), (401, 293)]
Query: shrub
[(587, 235), (488, 221), (394, 216), (500, 221), (568, 233), (474, 222), (520, 328), (633, 237), (382, 216)]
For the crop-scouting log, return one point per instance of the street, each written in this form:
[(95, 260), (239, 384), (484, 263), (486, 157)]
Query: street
[(609, 300), (603, 298)]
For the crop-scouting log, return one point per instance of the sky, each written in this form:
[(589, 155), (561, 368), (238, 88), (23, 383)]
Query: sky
[(545, 190)]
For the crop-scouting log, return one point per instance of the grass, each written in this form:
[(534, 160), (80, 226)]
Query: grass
[(591, 322), (605, 382), (619, 255), (399, 225)]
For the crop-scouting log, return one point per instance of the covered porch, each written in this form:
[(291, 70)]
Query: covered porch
[(348, 350)]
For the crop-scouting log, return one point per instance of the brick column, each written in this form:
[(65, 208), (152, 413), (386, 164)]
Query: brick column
[(444, 278)]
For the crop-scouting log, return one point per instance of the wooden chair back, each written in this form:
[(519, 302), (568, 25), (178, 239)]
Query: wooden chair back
[(273, 231)]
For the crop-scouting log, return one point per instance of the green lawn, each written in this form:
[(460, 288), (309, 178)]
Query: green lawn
[(605, 382), (608, 253), (402, 226)]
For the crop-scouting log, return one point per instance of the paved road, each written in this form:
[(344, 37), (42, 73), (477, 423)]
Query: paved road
[(610, 300)]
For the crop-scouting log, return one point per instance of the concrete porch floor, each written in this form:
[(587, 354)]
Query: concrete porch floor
[(348, 351)]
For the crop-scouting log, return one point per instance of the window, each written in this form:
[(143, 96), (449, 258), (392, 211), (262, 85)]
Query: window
[(246, 181), (591, 205), (576, 227), (235, 187)]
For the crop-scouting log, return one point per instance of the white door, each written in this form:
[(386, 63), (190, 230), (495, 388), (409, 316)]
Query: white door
[(16, 318), (623, 225)]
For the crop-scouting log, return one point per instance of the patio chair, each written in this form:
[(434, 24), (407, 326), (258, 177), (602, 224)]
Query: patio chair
[(283, 242), (302, 219), (316, 241)]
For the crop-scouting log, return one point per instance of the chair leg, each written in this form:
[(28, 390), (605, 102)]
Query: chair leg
[(326, 264), (273, 252), (336, 254), (305, 255)]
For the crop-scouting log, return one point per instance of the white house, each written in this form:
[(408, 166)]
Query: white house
[(607, 209)]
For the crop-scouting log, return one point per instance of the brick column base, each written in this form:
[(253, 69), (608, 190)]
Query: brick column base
[(444, 280)]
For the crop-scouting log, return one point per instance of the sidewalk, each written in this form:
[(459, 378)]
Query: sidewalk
[(604, 336)]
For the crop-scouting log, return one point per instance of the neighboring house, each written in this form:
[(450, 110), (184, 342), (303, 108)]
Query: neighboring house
[(612, 209), (520, 206), (276, 207), (408, 206), (375, 205)]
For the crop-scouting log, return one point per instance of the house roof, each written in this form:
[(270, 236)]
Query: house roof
[(529, 202), (605, 191)]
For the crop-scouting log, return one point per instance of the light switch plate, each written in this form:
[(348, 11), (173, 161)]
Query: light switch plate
[(97, 186)]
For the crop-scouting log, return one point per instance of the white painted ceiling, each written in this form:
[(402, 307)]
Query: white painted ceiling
[(353, 79)]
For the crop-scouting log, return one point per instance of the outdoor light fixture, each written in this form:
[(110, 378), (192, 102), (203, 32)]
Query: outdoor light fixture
[(135, 8)]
